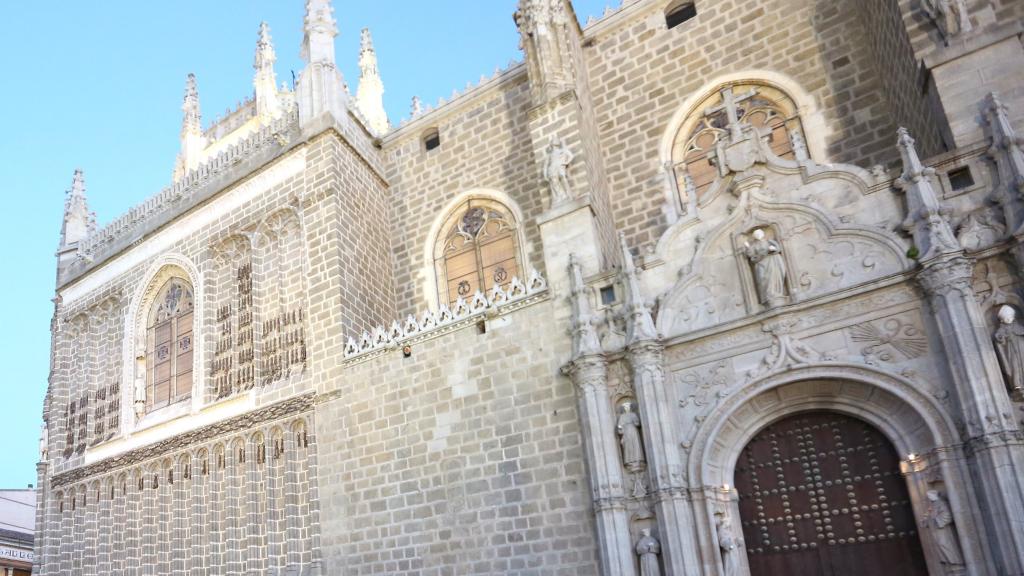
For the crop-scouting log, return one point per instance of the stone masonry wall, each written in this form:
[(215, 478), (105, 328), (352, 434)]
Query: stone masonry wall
[(900, 73), (642, 72), (227, 501), (483, 145), (464, 458)]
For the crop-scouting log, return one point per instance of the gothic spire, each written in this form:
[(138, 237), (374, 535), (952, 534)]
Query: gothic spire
[(639, 324), (268, 105), (78, 221), (191, 122), (192, 140), (927, 220), (319, 31), (320, 88), (370, 94)]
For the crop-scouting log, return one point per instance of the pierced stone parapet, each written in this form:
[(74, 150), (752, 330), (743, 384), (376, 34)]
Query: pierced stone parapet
[(278, 132), (432, 324)]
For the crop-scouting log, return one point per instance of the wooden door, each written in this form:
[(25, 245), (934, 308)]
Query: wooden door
[(821, 494)]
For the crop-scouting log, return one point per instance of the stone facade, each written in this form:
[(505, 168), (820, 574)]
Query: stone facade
[(532, 329)]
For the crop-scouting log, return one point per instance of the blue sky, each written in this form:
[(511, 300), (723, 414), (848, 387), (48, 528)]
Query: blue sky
[(98, 85)]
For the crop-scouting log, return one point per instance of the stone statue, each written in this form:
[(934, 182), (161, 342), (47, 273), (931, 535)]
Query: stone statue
[(729, 547), (647, 548), (950, 16), (628, 428), (1009, 341), (139, 395), (556, 171), (939, 519), (769, 268), (44, 442)]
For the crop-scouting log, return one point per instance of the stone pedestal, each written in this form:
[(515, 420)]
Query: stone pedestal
[(570, 228)]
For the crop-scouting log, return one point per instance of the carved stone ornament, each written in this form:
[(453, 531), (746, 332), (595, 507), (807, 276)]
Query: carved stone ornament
[(1009, 344), (979, 229), (950, 16), (728, 545), (648, 549), (941, 277), (543, 37), (939, 521), (557, 158), (888, 336), (785, 352)]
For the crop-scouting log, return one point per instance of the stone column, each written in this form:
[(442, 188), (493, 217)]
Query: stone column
[(994, 445), (664, 463), (41, 525), (995, 449), (589, 372)]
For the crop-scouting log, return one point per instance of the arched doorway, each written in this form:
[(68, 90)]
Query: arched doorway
[(820, 493)]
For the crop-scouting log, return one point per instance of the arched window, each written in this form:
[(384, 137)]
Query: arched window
[(767, 108), (477, 249), (169, 345)]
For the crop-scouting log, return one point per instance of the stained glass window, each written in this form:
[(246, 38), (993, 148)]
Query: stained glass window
[(477, 252), (169, 346)]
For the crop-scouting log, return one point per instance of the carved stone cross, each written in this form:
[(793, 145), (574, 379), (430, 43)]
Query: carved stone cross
[(729, 104)]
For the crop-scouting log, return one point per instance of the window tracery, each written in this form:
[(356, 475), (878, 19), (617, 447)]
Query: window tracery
[(169, 345), (767, 108), (477, 251)]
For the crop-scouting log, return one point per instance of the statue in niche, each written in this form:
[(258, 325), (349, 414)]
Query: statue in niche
[(1009, 341), (628, 428), (765, 255), (728, 545), (44, 442), (648, 548), (139, 390), (939, 520), (556, 171)]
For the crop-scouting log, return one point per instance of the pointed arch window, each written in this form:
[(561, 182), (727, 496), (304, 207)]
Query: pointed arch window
[(767, 108), (169, 345), (478, 249)]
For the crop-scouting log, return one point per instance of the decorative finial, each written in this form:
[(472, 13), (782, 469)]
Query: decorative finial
[(370, 94), (585, 341), (417, 106), (192, 118), (78, 223), (926, 219), (268, 105), (639, 324), (320, 88), (319, 30)]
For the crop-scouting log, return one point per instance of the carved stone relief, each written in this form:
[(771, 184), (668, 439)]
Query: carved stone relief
[(980, 228)]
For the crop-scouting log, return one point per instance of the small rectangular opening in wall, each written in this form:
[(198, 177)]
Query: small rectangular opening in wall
[(432, 140), (607, 295), (679, 13), (960, 178)]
